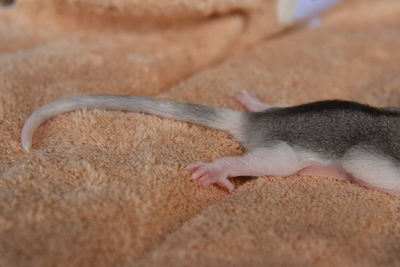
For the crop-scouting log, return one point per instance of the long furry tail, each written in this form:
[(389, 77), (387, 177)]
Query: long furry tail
[(218, 118)]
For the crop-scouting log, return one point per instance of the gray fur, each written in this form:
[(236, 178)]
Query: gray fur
[(329, 128)]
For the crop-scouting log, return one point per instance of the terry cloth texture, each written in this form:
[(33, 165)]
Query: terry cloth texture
[(107, 188)]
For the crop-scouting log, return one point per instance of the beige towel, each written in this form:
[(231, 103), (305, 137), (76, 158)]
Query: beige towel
[(106, 188)]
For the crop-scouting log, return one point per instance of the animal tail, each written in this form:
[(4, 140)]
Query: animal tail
[(218, 118)]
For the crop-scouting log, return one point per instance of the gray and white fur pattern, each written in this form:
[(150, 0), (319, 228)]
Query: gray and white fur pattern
[(361, 141)]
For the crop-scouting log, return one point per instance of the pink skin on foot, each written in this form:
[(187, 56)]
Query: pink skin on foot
[(205, 174), (252, 103), (277, 160)]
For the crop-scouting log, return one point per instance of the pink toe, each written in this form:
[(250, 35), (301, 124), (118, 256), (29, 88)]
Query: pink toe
[(193, 166), (227, 184), (200, 172), (239, 95)]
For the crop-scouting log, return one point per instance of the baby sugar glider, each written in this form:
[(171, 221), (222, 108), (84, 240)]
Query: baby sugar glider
[(357, 140)]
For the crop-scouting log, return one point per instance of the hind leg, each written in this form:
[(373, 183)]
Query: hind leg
[(252, 103), (279, 160), (373, 171)]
